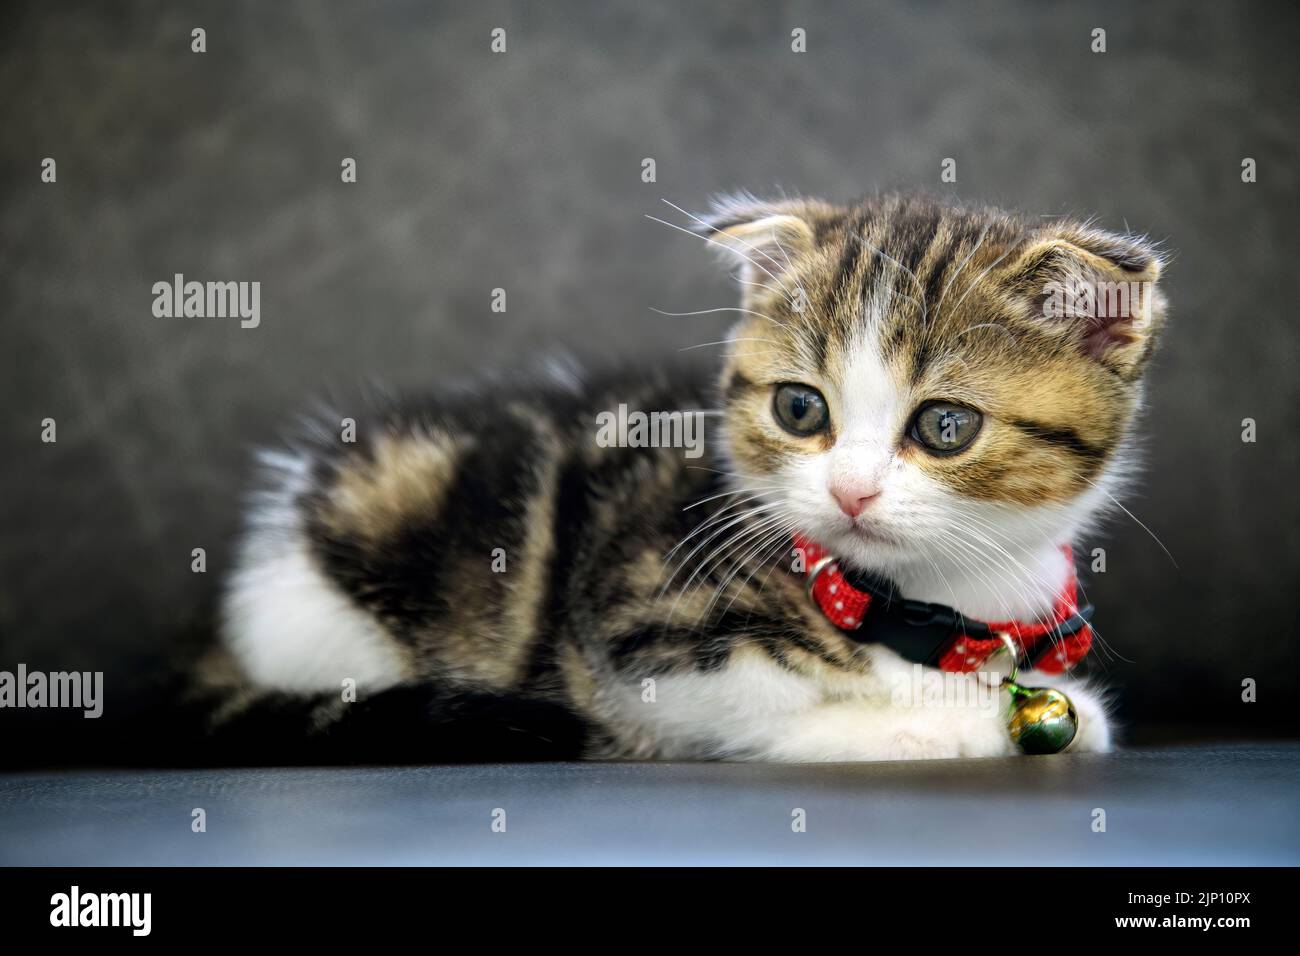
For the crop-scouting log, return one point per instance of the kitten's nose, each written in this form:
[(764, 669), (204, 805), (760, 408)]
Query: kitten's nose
[(854, 498)]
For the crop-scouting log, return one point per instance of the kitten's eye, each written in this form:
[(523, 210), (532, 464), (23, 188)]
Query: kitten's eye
[(944, 428), (800, 409)]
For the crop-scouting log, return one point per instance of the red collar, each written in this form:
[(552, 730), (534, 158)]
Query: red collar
[(937, 635)]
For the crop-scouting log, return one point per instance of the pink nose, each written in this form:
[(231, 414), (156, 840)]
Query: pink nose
[(853, 499)]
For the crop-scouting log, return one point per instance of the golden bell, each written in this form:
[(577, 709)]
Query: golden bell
[(1043, 721)]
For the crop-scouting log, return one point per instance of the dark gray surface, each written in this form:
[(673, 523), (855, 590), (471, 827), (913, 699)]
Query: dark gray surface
[(523, 171), (1229, 805)]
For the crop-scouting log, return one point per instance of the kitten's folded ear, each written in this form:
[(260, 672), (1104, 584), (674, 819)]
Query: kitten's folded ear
[(765, 237), (1096, 287)]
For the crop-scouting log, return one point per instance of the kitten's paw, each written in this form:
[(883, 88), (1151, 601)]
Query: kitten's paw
[(986, 737), (958, 732), (907, 745), (1094, 734)]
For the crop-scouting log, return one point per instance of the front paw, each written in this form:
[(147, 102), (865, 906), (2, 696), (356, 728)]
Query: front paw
[(1094, 734), (909, 745), (945, 734)]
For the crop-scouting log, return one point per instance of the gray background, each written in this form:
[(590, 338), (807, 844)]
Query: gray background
[(523, 171)]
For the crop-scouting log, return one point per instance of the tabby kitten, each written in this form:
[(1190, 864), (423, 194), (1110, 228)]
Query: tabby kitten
[(478, 576)]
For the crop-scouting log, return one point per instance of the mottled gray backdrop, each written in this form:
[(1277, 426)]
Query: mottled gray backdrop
[(522, 170)]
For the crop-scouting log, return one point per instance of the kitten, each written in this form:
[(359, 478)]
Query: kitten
[(478, 576)]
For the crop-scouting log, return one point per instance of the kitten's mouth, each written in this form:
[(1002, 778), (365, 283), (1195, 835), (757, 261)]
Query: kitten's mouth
[(872, 533)]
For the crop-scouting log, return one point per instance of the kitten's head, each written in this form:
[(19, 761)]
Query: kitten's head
[(911, 379)]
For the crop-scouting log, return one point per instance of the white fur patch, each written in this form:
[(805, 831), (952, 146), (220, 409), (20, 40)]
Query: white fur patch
[(756, 710), (287, 624), (734, 711)]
